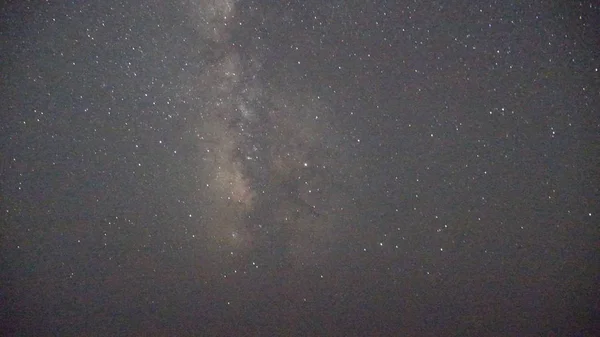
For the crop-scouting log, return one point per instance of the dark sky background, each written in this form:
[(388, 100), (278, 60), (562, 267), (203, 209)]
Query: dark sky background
[(336, 168)]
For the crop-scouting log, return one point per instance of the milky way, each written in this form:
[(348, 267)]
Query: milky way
[(266, 157)]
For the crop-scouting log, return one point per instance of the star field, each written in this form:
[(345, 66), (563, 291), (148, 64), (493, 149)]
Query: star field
[(246, 168)]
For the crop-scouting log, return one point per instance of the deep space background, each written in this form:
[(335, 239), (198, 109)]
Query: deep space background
[(299, 168)]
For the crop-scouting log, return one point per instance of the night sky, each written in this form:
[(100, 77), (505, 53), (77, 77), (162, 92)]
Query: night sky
[(296, 168)]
